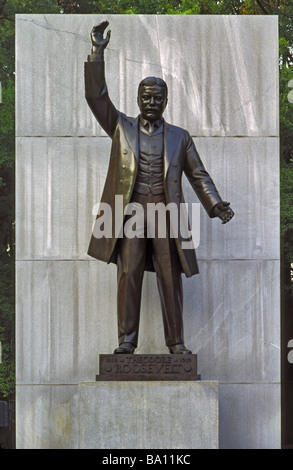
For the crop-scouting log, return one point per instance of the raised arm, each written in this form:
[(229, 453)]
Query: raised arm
[(96, 92)]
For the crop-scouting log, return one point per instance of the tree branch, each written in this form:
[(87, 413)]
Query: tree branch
[(261, 6), (3, 3), (7, 18), (273, 7)]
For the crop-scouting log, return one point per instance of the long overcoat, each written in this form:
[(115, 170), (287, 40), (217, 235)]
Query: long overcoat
[(180, 155)]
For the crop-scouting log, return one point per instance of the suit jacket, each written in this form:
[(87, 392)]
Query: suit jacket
[(180, 155)]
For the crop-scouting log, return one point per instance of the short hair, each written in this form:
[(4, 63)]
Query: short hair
[(151, 81)]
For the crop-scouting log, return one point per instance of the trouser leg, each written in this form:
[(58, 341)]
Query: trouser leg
[(168, 270), (130, 271)]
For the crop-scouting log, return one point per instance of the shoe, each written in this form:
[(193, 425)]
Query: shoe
[(125, 348), (179, 349)]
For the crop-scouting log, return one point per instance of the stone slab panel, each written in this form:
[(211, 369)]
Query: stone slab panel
[(47, 416), (222, 71), (148, 415), (235, 331), (250, 416), (246, 173), (66, 317), (60, 182)]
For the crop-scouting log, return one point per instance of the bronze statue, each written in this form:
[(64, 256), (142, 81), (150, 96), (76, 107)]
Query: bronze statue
[(148, 157)]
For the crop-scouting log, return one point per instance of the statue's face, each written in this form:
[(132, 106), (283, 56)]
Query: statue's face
[(152, 101)]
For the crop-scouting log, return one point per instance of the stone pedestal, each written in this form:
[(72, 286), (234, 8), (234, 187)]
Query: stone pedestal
[(148, 414)]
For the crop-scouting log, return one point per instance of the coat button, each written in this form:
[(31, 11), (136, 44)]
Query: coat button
[(125, 151), (177, 194), (175, 164)]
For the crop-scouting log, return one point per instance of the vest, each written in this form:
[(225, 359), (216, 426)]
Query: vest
[(150, 175)]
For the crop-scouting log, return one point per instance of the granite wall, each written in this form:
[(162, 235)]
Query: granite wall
[(222, 74)]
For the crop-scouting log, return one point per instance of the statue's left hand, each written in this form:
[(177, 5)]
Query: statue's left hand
[(223, 211)]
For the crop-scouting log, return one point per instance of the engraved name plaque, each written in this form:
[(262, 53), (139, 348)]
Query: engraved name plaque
[(148, 367)]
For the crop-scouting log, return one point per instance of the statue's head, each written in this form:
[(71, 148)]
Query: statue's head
[(152, 98)]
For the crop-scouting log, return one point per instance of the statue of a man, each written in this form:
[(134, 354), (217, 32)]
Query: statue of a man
[(148, 158)]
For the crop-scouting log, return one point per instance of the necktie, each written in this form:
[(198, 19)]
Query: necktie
[(151, 128)]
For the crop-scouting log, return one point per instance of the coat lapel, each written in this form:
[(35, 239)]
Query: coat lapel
[(170, 145), (131, 133)]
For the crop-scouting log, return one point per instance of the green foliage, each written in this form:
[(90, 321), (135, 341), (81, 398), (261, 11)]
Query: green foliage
[(7, 378), (7, 366), (286, 148), (12, 7), (287, 200), (186, 7), (286, 114), (7, 110)]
